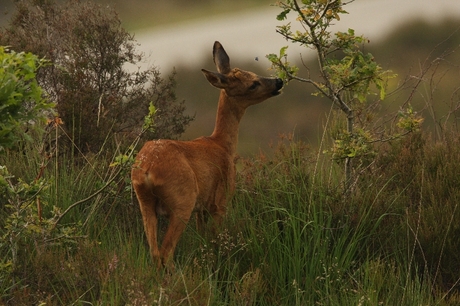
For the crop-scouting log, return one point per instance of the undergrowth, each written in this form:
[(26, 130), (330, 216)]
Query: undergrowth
[(291, 236)]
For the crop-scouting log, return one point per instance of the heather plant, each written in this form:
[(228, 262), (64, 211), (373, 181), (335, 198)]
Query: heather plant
[(89, 78), (423, 173)]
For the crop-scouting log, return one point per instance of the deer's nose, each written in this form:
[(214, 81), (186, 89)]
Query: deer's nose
[(279, 83), (278, 86)]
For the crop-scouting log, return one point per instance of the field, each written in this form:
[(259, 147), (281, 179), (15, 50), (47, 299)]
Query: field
[(291, 237), (71, 230)]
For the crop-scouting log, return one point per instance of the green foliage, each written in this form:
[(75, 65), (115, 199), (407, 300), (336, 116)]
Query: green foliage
[(38, 217), (22, 104), (50, 215), (356, 145), (149, 119), (409, 120), (29, 219), (22, 100), (355, 71), (126, 160), (345, 68), (288, 70), (348, 75)]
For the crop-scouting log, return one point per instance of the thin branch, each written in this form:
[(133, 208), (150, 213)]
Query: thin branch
[(289, 37), (109, 182), (79, 151), (390, 138), (302, 15)]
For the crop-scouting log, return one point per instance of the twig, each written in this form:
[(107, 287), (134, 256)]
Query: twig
[(99, 107), (87, 198), (109, 182)]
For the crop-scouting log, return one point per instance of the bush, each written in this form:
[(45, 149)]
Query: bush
[(424, 174), (88, 79), (21, 98)]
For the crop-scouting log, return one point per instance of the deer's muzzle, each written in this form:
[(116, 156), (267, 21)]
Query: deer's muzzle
[(278, 84)]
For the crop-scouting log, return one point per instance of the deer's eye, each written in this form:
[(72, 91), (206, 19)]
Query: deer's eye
[(254, 85)]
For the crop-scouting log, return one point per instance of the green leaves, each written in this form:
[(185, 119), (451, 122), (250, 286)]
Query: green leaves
[(355, 145), (409, 120), (347, 75), (281, 16), (150, 118), (283, 51), (354, 73), (21, 98), (29, 219), (280, 64), (346, 69)]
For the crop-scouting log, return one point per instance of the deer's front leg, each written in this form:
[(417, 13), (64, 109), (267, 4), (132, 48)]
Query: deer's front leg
[(219, 208)]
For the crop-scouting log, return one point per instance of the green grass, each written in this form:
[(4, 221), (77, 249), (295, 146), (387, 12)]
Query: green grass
[(288, 239)]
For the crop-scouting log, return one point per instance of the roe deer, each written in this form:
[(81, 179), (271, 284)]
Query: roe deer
[(175, 178)]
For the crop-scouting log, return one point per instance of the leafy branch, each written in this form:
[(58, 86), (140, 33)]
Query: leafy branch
[(347, 73)]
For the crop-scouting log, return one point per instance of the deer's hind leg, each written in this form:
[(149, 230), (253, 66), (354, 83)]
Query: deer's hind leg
[(147, 204), (181, 206)]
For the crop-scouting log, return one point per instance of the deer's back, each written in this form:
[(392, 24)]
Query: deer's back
[(200, 164)]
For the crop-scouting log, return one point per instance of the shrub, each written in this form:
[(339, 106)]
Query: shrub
[(425, 175), (89, 80), (21, 98)]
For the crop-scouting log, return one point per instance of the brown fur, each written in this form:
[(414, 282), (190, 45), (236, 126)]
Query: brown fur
[(175, 178)]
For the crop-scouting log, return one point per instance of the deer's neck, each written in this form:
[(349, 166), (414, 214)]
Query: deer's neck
[(229, 114)]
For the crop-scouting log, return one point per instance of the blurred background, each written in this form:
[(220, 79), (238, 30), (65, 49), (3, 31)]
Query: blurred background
[(405, 37)]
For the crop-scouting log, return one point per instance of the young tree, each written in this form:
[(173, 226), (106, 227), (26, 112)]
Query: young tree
[(347, 73), (96, 96)]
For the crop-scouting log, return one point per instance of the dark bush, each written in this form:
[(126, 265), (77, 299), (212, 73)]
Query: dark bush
[(100, 101), (422, 178)]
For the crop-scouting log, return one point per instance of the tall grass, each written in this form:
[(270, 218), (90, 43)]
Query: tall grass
[(317, 246), (289, 238)]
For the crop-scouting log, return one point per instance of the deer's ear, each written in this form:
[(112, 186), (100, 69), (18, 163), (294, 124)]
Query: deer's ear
[(221, 58), (216, 79)]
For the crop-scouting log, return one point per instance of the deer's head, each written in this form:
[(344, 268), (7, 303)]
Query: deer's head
[(245, 86)]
